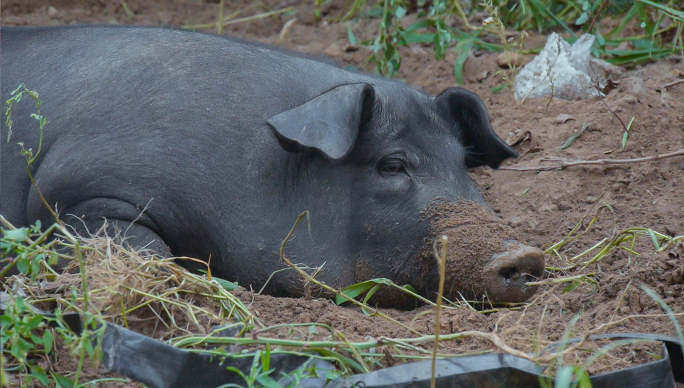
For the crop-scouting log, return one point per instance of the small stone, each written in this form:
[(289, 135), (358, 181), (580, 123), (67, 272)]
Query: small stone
[(629, 100), (549, 208), (563, 118), (591, 199), (52, 12), (482, 76), (334, 50), (564, 205), (516, 221), (516, 60)]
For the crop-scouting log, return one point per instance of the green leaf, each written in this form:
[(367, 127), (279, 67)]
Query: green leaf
[(499, 88), (39, 374), (629, 126), (368, 296), (35, 266), (36, 227), (463, 47), (359, 288), (15, 91), (54, 259), (541, 6), (571, 287), (267, 381), (673, 13), (18, 235), (350, 36), (228, 286), (266, 357), (599, 38), (423, 23), (47, 341), (582, 19), (412, 38), (584, 381), (332, 374), (34, 322), (238, 371), (624, 139), (353, 291), (325, 352), (62, 380), (654, 239), (564, 377), (400, 12), (575, 136), (6, 321), (629, 16), (36, 339)]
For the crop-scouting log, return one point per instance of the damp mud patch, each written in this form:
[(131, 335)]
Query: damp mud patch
[(485, 258)]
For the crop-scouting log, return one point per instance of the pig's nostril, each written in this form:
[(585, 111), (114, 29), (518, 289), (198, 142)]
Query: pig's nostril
[(510, 271), (510, 274)]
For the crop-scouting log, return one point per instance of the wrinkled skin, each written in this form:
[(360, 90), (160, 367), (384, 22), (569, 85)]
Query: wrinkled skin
[(224, 143)]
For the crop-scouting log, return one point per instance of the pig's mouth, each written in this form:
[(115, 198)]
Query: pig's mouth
[(485, 260)]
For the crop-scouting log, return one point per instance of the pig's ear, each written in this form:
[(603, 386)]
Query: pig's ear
[(470, 117), (329, 123)]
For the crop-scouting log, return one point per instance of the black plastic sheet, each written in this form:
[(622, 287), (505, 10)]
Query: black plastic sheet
[(160, 365), (163, 366), (505, 370)]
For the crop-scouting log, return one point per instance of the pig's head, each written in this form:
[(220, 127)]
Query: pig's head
[(402, 159)]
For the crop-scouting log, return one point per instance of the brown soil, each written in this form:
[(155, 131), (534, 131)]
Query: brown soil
[(543, 207)]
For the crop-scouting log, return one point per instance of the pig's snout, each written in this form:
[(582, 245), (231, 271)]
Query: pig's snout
[(505, 277)]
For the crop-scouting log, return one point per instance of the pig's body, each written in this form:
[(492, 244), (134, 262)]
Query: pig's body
[(224, 143)]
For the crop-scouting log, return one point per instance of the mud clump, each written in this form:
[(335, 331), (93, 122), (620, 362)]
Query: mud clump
[(484, 259)]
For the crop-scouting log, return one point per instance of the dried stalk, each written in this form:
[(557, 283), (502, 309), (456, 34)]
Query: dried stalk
[(600, 162)]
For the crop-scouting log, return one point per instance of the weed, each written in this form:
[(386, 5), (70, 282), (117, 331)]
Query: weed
[(17, 94), (662, 24), (390, 35)]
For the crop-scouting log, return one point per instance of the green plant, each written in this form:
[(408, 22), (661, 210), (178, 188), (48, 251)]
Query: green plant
[(24, 333), (259, 372), (28, 250), (23, 248), (437, 25), (390, 35), (17, 94)]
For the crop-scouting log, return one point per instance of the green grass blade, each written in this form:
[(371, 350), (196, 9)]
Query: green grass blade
[(541, 6), (667, 310), (350, 36), (463, 48), (575, 136), (629, 16), (673, 13)]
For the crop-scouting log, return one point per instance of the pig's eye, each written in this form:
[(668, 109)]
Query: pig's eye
[(392, 166)]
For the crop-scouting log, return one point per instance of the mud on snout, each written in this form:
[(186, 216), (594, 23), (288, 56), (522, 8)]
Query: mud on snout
[(485, 258)]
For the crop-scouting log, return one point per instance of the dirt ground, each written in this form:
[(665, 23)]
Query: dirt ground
[(542, 206)]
